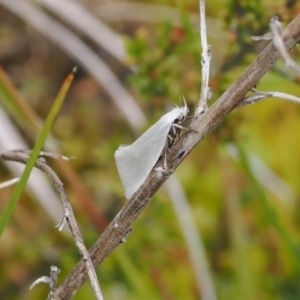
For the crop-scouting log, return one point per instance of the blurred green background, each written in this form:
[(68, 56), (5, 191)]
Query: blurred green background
[(242, 181)]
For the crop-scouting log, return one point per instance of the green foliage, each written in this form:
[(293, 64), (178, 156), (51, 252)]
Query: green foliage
[(251, 235), (35, 153), (165, 58)]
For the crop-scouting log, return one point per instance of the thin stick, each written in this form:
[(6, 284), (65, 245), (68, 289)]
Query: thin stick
[(51, 281), (276, 36), (9, 182), (113, 234), (69, 217), (276, 30), (257, 96), (205, 92)]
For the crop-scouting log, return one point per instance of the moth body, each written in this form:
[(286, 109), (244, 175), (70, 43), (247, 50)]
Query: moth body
[(135, 161)]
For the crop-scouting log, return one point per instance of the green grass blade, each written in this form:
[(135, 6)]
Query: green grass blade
[(271, 212), (35, 152)]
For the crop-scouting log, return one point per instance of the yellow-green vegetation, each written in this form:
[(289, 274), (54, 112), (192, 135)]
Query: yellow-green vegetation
[(251, 234)]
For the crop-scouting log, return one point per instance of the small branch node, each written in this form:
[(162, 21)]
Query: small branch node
[(257, 96), (276, 35), (124, 238), (200, 110), (209, 93), (43, 279), (62, 223), (51, 281)]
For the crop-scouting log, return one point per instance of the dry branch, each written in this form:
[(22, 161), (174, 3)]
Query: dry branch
[(200, 126), (22, 156)]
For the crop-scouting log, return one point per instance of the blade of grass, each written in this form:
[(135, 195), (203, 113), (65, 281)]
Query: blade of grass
[(271, 213), (36, 151), (134, 276)]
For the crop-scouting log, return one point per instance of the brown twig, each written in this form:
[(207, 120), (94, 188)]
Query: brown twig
[(51, 281), (205, 92), (201, 126), (276, 36), (276, 30), (257, 96), (22, 157)]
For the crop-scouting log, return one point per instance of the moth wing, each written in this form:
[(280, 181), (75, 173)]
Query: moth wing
[(135, 162)]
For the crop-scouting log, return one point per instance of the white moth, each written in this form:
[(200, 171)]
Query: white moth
[(135, 161)]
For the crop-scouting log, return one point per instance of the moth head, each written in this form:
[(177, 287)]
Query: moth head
[(180, 113)]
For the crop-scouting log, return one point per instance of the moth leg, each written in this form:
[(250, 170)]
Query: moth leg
[(179, 126), (175, 133), (165, 155), (165, 170), (184, 128), (172, 135)]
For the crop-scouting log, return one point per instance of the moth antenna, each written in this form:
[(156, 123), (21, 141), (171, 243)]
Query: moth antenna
[(182, 97)]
